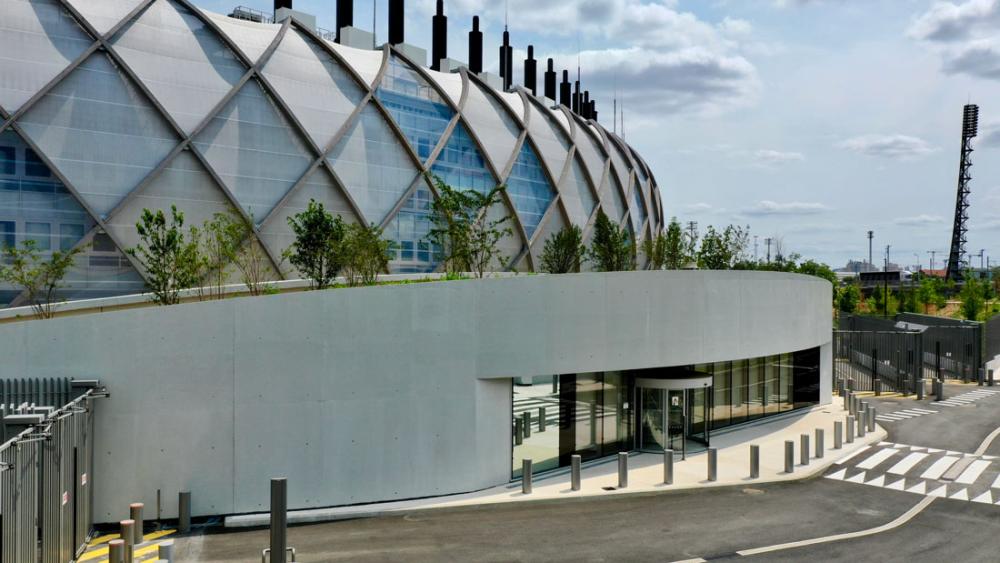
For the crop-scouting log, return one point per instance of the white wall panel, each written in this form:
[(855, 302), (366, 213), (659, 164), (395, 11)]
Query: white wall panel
[(550, 140), (104, 14), (251, 38), (365, 63), (492, 124), (577, 195), (450, 83), (592, 153)]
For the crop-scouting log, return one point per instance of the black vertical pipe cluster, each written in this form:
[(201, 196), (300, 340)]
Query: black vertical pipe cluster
[(577, 97), (531, 71), (397, 12), (475, 47), (279, 4), (439, 28), (345, 15), (564, 90), (506, 61), (550, 81)]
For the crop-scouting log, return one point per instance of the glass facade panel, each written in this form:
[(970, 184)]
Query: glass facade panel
[(740, 396), (461, 165), (535, 417), (611, 200), (413, 252), (755, 389), (806, 378), (588, 413), (493, 125), (577, 194), (638, 211), (421, 114), (722, 387), (771, 397), (529, 189), (785, 382)]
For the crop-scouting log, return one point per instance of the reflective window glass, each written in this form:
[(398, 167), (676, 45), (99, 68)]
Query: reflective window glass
[(772, 366), (409, 229), (739, 393), (529, 189), (69, 234), (785, 383), (755, 389), (33, 165), (7, 161), (421, 114), (461, 165), (535, 423), (7, 237), (41, 233), (722, 380)]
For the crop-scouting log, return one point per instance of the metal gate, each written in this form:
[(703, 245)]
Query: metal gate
[(45, 473), (892, 358)]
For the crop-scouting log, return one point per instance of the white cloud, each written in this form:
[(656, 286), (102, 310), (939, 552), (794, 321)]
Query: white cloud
[(918, 220), (888, 146), (767, 207), (767, 157), (966, 34)]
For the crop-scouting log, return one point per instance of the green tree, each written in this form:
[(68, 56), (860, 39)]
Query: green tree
[(316, 251), (172, 261), (655, 250), (818, 269), (908, 301), (930, 293), (365, 254), (563, 251), (848, 298), (229, 240), (39, 277), (612, 249), (714, 252), (973, 296), (676, 251), (464, 232)]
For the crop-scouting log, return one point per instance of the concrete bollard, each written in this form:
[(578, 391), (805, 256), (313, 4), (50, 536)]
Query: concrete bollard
[(863, 422), (116, 551), (871, 414), (622, 470), (184, 512), (135, 514), (541, 419), (166, 551), (850, 430), (754, 461), (804, 449), (668, 467), (574, 472), (518, 433), (989, 378), (920, 389), (279, 518), (713, 464), (847, 400), (838, 435), (525, 476), (820, 443), (127, 534), (789, 456), (526, 423)]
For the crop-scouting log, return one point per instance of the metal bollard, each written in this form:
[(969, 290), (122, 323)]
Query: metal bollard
[(541, 419), (754, 461), (525, 476), (127, 534), (526, 423), (804, 449), (820, 443), (166, 551), (847, 400), (184, 512), (668, 467), (713, 464), (989, 378), (789, 456), (838, 435), (871, 414), (518, 433), (863, 422), (877, 386), (279, 518), (622, 470), (850, 430), (574, 472), (920, 389), (135, 514), (116, 551)]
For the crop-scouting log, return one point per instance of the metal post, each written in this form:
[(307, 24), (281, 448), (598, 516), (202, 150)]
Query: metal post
[(980, 379), (713, 464), (166, 551), (526, 423), (863, 421), (135, 513), (279, 518), (754, 461), (990, 378), (526, 476), (937, 360), (116, 551), (518, 433), (184, 512), (847, 400), (920, 389), (838, 435), (789, 456), (541, 419), (820, 443), (127, 534), (876, 382), (804, 449), (622, 470), (668, 467), (850, 430), (574, 474), (871, 414)]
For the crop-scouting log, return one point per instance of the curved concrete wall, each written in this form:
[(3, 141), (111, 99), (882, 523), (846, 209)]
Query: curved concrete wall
[(381, 393)]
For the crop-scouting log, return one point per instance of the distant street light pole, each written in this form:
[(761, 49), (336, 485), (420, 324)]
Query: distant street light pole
[(885, 278), (768, 242), (871, 234), (933, 253), (917, 256)]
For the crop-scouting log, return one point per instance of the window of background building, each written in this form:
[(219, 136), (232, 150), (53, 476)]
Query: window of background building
[(33, 165), (7, 236), (69, 233), (41, 233), (8, 162)]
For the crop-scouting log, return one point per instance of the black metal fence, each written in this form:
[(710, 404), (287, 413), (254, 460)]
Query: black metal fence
[(888, 361), (991, 345), (46, 460)]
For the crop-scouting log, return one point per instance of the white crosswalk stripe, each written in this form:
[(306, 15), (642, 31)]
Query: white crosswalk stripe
[(940, 466), (907, 463)]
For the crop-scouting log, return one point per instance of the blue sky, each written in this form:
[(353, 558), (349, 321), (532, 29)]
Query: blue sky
[(811, 121)]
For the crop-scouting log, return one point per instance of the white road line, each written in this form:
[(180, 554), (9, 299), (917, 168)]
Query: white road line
[(925, 411), (996, 484), (940, 466), (851, 456), (911, 412), (891, 417), (987, 441), (973, 472), (876, 459), (906, 464), (902, 414)]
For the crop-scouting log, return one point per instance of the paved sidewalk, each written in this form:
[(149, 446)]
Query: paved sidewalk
[(645, 471)]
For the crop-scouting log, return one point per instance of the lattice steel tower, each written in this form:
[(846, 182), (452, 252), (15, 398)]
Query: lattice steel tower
[(956, 259)]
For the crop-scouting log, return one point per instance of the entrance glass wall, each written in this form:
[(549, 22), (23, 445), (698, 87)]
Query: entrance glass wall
[(673, 418)]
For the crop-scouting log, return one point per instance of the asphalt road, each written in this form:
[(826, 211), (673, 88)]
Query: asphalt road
[(711, 524)]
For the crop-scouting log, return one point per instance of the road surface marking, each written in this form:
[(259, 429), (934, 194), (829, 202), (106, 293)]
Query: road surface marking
[(973, 472), (906, 464), (852, 455), (876, 459), (940, 466)]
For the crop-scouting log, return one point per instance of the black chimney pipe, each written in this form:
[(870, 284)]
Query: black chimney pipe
[(550, 81), (577, 97), (475, 47), (279, 4), (585, 105), (396, 29), (439, 46), (345, 15), (531, 71), (564, 90), (506, 61)]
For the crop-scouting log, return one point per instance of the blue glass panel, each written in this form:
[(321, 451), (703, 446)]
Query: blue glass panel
[(529, 189), (413, 252), (638, 211), (39, 209), (415, 105), (461, 165)]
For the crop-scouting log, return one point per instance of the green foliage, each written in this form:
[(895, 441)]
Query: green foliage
[(676, 251), (848, 298), (229, 239), (973, 296), (655, 250), (38, 277), (563, 251), (723, 250), (365, 254), (172, 261), (931, 292), (316, 251), (908, 301), (612, 249), (466, 238), (818, 269)]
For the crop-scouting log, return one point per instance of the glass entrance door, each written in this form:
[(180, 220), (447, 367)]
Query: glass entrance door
[(673, 418)]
